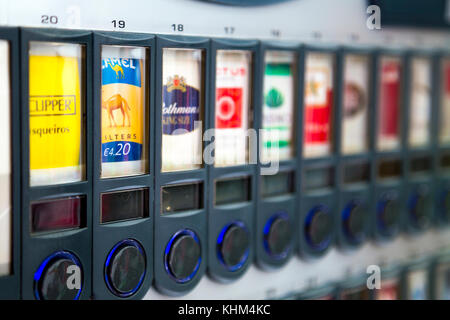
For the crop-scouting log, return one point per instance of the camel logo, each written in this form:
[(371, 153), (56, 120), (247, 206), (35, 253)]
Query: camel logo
[(118, 70), (117, 102), (121, 70), (176, 83)]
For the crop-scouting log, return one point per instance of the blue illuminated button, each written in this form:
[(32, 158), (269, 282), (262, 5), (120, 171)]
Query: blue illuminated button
[(125, 268), (354, 218), (183, 255), (388, 212), (233, 245), (59, 277), (277, 236), (419, 205), (318, 227)]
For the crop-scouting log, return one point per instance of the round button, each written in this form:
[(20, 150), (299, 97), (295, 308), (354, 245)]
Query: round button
[(183, 256), (354, 218), (388, 213), (125, 268), (318, 227), (59, 277), (233, 245), (419, 208), (277, 236)]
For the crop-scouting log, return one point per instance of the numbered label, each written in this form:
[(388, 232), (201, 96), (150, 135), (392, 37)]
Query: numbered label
[(118, 24), (48, 19), (177, 27)]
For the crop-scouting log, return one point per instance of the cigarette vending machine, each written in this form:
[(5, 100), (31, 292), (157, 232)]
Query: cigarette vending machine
[(195, 149)]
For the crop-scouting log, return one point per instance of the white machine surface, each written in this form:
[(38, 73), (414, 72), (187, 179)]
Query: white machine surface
[(308, 21)]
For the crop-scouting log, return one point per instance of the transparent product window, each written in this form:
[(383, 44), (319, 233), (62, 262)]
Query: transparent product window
[(124, 111), (355, 106), (182, 109), (233, 107), (318, 105), (5, 163), (420, 103), (444, 116), (278, 106), (57, 113), (389, 100)]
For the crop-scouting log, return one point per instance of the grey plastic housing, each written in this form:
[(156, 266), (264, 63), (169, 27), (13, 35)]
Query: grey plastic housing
[(420, 182), (285, 204), (106, 236), (219, 216), (325, 197), (36, 248), (392, 188), (359, 193), (165, 226)]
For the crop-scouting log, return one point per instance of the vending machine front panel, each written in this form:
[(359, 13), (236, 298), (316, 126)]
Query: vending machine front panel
[(318, 158), (234, 84), (123, 167), (354, 145), (276, 216), (159, 149), (317, 214), (355, 206), (421, 142), (389, 131), (56, 166), (181, 186)]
